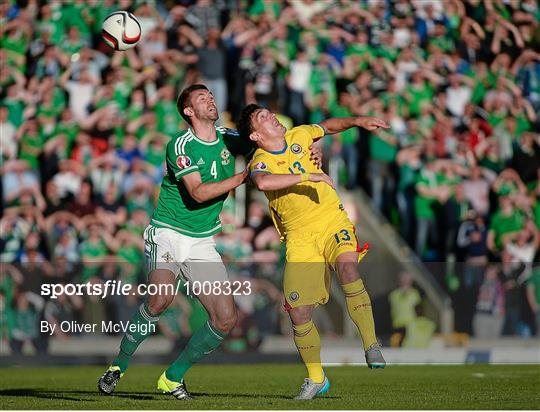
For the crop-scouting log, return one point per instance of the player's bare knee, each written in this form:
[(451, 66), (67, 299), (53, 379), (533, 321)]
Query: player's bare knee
[(158, 303), (301, 314), (225, 321), (348, 273)]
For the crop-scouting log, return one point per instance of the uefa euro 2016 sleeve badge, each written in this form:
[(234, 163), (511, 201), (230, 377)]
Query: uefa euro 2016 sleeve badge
[(183, 161)]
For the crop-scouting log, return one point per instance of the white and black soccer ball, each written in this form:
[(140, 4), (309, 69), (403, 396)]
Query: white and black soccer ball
[(121, 30)]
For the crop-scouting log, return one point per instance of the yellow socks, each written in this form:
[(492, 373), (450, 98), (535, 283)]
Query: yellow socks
[(359, 307), (308, 342)]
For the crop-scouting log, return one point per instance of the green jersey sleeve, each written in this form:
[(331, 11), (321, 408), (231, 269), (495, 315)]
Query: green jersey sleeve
[(180, 160)]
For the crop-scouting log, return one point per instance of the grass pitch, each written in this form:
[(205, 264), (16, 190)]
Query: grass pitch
[(267, 386)]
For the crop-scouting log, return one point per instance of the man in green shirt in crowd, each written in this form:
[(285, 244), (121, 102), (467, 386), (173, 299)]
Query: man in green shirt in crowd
[(533, 295), (428, 192), (505, 221), (347, 138)]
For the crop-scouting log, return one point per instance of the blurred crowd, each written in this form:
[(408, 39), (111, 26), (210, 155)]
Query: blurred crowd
[(83, 129)]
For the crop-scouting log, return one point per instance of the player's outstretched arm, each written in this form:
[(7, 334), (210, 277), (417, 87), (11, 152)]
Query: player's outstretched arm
[(340, 124), (201, 192), (270, 181)]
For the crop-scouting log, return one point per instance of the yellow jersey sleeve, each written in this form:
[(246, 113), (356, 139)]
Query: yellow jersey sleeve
[(262, 163), (307, 133)]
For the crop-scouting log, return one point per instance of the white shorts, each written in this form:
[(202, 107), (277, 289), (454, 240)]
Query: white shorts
[(195, 259)]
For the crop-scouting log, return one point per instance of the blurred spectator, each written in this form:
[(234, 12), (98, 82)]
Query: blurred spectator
[(347, 139), (511, 276), (489, 318), (476, 188), (62, 309), (25, 323), (211, 65), (8, 142), (298, 85), (204, 16), (506, 221), (69, 178), (83, 204), (403, 302), (533, 296), (419, 331), (409, 163), (428, 191)]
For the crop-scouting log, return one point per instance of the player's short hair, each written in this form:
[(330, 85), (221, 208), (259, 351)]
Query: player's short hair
[(244, 125), (183, 100)]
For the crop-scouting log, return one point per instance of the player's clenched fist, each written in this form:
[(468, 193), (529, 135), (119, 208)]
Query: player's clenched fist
[(321, 177)]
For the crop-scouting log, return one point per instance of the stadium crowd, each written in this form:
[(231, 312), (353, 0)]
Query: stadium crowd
[(83, 129)]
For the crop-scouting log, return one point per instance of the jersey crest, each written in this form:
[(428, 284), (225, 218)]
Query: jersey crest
[(225, 156), (297, 150)]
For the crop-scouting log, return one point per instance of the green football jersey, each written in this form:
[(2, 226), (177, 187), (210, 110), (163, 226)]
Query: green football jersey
[(214, 160)]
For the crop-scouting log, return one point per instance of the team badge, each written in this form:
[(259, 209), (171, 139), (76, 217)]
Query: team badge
[(260, 166), (167, 257), (225, 156), (183, 161), (296, 148), (294, 296)]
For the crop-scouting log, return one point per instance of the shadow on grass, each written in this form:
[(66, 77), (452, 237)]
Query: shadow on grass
[(246, 395), (71, 395)]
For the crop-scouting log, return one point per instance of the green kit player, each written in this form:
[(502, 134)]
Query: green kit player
[(179, 239)]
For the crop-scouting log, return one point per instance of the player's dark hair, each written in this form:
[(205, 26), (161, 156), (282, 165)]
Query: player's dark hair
[(244, 126), (183, 100)]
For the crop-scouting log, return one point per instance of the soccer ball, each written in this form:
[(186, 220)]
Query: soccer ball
[(121, 30)]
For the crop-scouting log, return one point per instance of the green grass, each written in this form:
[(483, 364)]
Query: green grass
[(269, 386)]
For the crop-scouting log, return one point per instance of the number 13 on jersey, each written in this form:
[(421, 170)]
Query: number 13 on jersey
[(298, 166)]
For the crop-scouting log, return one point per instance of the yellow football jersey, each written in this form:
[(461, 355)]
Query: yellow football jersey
[(306, 206)]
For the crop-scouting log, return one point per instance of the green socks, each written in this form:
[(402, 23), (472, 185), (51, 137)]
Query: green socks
[(204, 341), (142, 325)]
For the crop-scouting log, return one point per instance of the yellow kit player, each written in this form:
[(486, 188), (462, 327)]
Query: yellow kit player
[(318, 233)]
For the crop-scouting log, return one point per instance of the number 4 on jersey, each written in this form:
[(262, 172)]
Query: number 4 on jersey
[(213, 170)]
